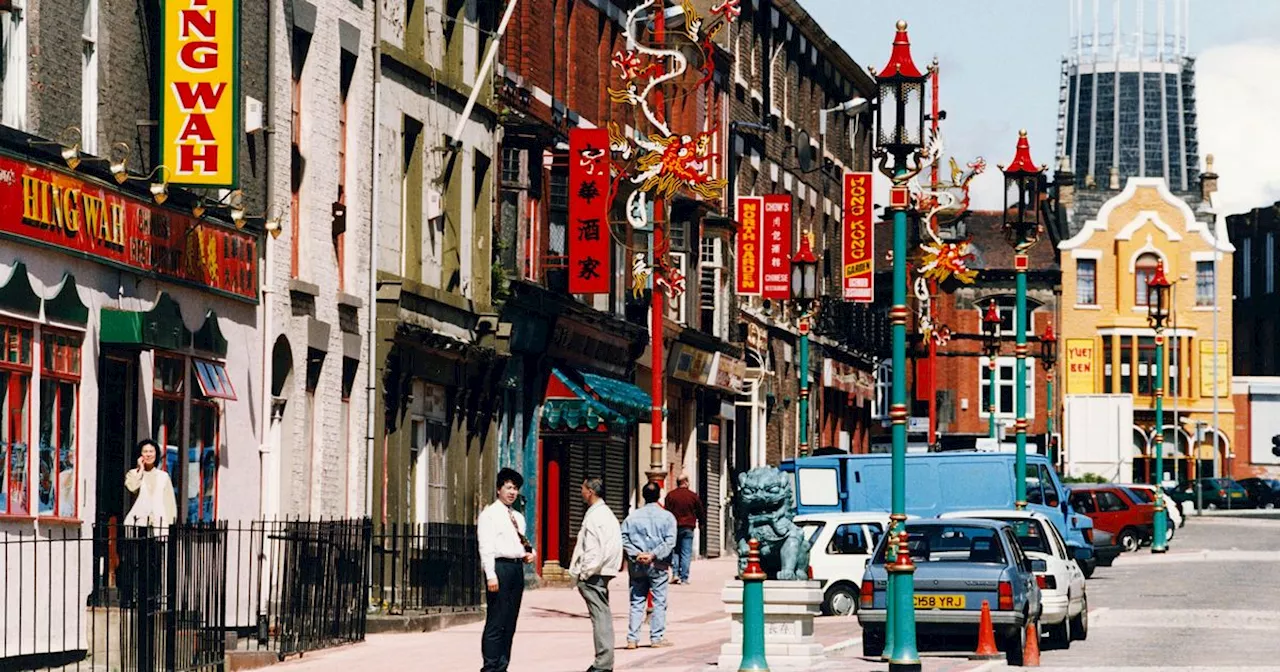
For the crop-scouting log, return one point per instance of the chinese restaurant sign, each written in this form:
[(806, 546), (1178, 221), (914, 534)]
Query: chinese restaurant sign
[(1080, 353), (749, 245), (1207, 383), (590, 255), (777, 247), (89, 220), (858, 248), (200, 91)]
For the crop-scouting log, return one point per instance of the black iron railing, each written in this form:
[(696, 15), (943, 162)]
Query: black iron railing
[(426, 567)]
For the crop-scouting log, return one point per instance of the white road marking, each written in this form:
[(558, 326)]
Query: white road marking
[(842, 645)]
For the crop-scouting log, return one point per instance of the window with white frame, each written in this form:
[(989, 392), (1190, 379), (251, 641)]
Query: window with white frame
[(1007, 307), (13, 67), (677, 308), (1086, 282), (712, 292), (1006, 386), (1205, 282), (89, 79), (884, 390), (1144, 271)]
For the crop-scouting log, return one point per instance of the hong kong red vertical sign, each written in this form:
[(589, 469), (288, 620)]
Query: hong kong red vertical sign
[(858, 275), (777, 247), (590, 255), (749, 245)]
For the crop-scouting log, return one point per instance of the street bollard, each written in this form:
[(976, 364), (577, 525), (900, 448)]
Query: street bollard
[(753, 612)]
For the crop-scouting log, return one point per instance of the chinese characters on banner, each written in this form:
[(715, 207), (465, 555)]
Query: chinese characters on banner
[(749, 245), (590, 254), (777, 247), (858, 248)]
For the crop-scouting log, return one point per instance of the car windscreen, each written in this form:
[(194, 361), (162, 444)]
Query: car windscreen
[(1030, 533), (812, 529), (950, 543), (1142, 495)]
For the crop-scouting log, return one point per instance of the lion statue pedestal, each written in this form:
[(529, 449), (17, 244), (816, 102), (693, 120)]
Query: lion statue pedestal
[(765, 507)]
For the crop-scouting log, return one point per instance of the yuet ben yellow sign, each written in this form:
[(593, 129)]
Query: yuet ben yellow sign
[(200, 74)]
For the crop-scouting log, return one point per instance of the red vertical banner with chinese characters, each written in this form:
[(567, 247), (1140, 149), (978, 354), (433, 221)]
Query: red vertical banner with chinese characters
[(776, 258), (749, 245), (590, 254), (859, 250)]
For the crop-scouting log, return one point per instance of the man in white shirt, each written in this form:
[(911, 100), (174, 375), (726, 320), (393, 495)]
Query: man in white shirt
[(596, 560), (504, 550)]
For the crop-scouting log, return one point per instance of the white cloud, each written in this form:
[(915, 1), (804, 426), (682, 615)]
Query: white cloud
[(1237, 103)]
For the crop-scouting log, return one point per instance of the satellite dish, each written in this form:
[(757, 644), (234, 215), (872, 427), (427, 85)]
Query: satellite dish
[(805, 152)]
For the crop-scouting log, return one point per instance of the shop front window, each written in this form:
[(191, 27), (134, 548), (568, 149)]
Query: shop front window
[(15, 384), (196, 473), (59, 399)]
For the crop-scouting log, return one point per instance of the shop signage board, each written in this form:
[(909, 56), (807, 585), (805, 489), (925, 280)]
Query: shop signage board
[(1206, 369), (749, 245), (776, 261), (1080, 354), (691, 364), (590, 255), (859, 265), (87, 219), (200, 92)]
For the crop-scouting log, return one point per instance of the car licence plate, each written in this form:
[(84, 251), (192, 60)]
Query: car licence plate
[(939, 601)]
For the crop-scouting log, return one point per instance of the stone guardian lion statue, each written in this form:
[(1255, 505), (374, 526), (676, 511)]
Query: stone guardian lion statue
[(765, 509)]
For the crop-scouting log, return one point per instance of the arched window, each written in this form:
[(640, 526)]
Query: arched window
[(884, 390), (1143, 270)]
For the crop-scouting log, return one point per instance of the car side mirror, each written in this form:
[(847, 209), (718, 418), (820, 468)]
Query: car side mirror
[(1064, 506), (1038, 565)]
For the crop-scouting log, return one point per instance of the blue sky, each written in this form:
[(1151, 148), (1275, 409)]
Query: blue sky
[(1000, 65)]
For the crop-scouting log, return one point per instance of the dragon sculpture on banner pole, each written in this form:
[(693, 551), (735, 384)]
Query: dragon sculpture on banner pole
[(663, 162)]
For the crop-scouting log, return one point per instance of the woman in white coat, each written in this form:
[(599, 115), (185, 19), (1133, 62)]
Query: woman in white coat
[(155, 505)]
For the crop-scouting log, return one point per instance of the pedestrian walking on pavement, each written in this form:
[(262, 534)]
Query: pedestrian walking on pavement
[(688, 509), (504, 551), (596, 560), (649, 538)]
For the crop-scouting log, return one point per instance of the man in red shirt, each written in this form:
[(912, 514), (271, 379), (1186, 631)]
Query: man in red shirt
[(687, 507)]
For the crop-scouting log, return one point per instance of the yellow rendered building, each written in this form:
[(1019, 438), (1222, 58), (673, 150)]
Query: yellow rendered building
[(1107, 345)]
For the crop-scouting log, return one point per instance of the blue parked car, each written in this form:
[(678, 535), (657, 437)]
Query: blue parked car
[(960, 563)]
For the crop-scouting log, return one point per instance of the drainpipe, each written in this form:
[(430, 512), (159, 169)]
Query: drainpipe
[(371, 312), (264, 281)]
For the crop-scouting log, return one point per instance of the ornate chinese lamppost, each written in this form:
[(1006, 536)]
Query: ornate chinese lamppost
[(900, 136), (1048, 359), (991, 344), (804, 292), (1023, 183), (1157, 315)]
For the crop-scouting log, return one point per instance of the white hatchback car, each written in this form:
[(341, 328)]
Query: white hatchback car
[(840, 546), (1065, 605)]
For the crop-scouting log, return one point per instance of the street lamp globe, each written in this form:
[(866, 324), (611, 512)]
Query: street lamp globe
[(991, 330), (1048, 347), (900, 114), (1023, 184), (804, 274), (1158, 298)]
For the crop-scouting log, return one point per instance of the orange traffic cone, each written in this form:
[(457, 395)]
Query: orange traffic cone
[(986, 636), (1031, 656)]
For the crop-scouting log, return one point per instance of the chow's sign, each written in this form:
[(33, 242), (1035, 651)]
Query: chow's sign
[(200, 79)]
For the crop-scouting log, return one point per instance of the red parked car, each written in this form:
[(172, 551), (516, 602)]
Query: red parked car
[(1113, 509)]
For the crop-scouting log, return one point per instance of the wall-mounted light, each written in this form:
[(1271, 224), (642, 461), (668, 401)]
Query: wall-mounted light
[(69, 141), (119, 158), (159, 190)]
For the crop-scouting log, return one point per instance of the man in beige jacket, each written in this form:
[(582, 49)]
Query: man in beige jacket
[(596, 560)]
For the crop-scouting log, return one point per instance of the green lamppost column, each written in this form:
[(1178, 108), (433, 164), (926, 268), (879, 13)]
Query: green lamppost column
[(1157, 315), (804, 292), (991, 343), (1023, 185), (753, 577), (1048, 359), (900, 134)]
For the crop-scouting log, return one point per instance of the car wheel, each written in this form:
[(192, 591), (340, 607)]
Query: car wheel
[(1168, 532), (872, 643), (1269, 505), (841, 600), (1015, 645), (1080, 622), (1060, 633), (1129, 540), (1087, 570), (1212, 506)]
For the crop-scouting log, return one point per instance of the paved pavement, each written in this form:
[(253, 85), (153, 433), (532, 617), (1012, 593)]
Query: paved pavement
[(1208, 604)]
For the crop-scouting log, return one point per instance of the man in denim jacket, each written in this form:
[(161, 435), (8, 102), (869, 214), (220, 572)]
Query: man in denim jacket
[(648, 539)]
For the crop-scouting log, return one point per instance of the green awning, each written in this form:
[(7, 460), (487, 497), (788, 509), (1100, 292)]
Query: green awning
[(161, 327), (17, 294), (597, 400), (65, 306)]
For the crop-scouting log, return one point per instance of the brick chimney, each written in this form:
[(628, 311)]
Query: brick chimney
[(1066, 183), (1208, 180), (1113, 182)]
